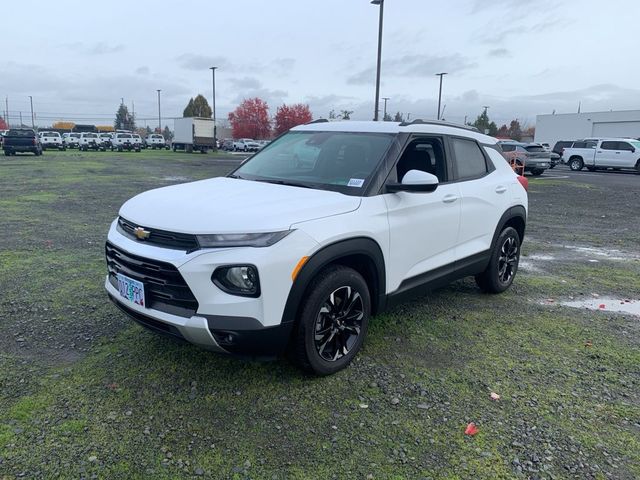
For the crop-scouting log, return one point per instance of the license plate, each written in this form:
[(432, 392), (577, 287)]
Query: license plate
[(131, 289)]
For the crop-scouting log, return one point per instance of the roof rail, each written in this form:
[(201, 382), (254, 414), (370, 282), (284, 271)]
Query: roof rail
[(419, 121), (319, 120)]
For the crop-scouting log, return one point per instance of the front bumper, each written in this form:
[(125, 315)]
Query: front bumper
[(224, 323)]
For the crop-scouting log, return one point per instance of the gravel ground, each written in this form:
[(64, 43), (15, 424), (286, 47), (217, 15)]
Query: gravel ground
[(85, 393)]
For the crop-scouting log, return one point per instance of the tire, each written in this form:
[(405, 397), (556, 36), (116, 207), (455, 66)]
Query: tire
[(537, 172), (638, 167), (324, 354), (576, 164), (503, 264)]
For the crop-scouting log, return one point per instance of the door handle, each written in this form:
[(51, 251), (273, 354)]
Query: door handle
[(617, 153), (501, 189), (450, 198)]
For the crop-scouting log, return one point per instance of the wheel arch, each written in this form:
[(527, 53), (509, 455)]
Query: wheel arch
[(515, 217), (363, 254)]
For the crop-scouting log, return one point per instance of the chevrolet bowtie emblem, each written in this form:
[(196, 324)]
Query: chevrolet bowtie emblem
[(141, 233)]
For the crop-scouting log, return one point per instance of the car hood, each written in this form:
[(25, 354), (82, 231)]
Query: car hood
[(228, 205)]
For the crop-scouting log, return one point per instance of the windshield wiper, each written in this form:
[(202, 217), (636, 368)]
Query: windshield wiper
[(284, 182)]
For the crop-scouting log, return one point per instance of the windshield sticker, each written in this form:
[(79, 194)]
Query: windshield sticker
[(356, 182)]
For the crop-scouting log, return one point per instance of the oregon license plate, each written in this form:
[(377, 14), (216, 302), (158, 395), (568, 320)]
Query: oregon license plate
[(131, 289)]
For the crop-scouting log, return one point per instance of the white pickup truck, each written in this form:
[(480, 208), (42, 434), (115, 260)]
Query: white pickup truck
[(155, 140), (615, 153), (51, 140)]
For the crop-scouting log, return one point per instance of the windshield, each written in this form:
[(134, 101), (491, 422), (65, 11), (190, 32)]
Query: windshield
[(340, 161), (635, 144)]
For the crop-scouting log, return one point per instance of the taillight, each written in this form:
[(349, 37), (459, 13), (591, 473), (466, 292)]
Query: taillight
[(35, 142), (524, 181)]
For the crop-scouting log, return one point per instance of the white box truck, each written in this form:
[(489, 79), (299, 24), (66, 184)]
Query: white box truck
[(193, 133)]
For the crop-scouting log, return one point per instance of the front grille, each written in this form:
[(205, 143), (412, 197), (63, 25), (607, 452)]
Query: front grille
[(164, 287), (159, 238)]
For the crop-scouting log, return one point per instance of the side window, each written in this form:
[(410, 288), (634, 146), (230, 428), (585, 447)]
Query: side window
[(591, 144), (625, 146), (580, 145), (425, 154), (609, 145), (508, 148), (470, 161)]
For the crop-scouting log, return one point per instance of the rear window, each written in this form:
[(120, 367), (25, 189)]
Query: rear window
[(124, 135), (91, 135), (20, 133), (156, 136), (535, 148)]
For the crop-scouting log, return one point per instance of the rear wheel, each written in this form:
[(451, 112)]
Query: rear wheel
[(576, 164), (333, 322), (503, 264)]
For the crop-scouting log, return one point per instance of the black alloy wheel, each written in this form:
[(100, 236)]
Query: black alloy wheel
[(503, 264), (333, 321), (338, 323)]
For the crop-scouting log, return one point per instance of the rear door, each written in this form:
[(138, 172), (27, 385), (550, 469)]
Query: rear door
[(606, 154), (485, 197), (627, 156)]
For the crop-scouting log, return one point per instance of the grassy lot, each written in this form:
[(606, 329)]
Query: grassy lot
[(85, 393)]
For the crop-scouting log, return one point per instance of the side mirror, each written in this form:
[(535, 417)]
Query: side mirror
[(414, 181)]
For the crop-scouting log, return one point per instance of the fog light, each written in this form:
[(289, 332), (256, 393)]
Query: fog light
[(238, 280)]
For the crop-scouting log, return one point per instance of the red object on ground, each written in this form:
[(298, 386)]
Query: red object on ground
[(524, 181), (601, 306), (471, 429)]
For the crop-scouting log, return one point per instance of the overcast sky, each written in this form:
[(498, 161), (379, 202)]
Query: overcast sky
[(521, 58)]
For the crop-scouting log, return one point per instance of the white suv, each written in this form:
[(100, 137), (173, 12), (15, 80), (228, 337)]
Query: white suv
[(286, 254)]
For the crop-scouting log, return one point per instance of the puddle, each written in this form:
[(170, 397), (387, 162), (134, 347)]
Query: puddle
[(608, 253), (176, 179), (604, 304)]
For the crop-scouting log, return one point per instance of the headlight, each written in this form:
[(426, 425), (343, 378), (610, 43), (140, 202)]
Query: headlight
[(241, 239), (237, 280)]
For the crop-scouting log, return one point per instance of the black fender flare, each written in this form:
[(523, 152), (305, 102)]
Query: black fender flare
[(514, 212), (330, 254)]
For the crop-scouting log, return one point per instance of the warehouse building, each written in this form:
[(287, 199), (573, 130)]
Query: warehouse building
[(573, 126)]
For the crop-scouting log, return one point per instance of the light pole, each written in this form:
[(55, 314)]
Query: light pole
[(159, 117), (384, 117), (440, 91), (213, 110), (33, 123), (381, 4)]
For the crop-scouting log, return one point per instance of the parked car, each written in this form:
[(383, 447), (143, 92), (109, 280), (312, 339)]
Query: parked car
[(227, 145), (155, 140), (137, 140), (51, 140), (615, 153), (246, 145), (105, 139), (554, 158), (278, 255), (535, 161), (21, 140), (124, 141), (71, 140), (91, 141)]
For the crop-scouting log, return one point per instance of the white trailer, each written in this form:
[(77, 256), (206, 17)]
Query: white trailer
[(193, 133)]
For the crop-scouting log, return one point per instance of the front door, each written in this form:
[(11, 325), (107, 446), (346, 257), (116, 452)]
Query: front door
[(423, 226)]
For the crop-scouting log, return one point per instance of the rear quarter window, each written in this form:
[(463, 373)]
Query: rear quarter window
[(470, 161)]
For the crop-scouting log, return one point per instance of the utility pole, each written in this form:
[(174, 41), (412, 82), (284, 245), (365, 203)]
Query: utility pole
[(380, 22), (6, 104), (440, 91), (486, 107), (384, 117), (213, 110), (133, 113), (159, 117), (33, 123)]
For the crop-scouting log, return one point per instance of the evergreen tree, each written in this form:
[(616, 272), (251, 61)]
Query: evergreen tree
[(124, 120), (197, 107), (398, 117), (485, 125)]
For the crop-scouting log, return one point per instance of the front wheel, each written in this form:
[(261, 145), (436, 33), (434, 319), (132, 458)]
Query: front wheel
[(576, 164), (334, 320), (503, 264)]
